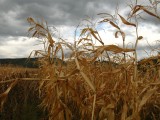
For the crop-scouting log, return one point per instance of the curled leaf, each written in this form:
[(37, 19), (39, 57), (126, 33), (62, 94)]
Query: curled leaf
[(122, 34), (126, 22)]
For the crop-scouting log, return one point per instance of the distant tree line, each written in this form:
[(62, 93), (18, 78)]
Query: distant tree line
[(22, 62), (31, 62)]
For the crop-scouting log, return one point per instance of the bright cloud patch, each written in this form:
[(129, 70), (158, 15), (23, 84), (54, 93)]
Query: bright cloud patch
[(18, 47)]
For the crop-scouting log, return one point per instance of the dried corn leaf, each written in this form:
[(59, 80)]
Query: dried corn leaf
[(50, 40), (88, 81), (117, 49), (148, 12), (139, 7), (124, 111), (122, 34), (113, 48), (77, 63), (62, 52), (114, 25), (93, 108), (98, 52), (146, 97), (30, 20), (40, 87), (34, 34), (136, 9), (38, 25), (89, 44), (49, 51), (84, 31), (58, 47), (4, 95), (93, 33), (67, 45), (30, 29), (126, 22), (83, 39)]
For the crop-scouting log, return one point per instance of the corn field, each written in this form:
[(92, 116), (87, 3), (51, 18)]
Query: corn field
[(104, 82)]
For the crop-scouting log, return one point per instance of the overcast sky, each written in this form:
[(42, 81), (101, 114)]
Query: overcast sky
[(65, 15)]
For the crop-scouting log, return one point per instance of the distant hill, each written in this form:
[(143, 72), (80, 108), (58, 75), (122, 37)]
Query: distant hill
[(23, 62)]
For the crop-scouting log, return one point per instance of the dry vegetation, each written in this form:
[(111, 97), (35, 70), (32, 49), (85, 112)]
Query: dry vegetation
[(22, 100), (85, 88)]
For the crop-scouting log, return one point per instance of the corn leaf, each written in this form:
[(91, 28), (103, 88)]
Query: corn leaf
[(126, 22), (146, 97), (150, 13), (88, 81), (114, 25)]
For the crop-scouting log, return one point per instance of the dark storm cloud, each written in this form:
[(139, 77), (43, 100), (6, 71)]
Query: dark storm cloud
[(151, 20), (14, 13)]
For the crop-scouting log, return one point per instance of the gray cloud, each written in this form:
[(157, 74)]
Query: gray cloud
[(57, 12)]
